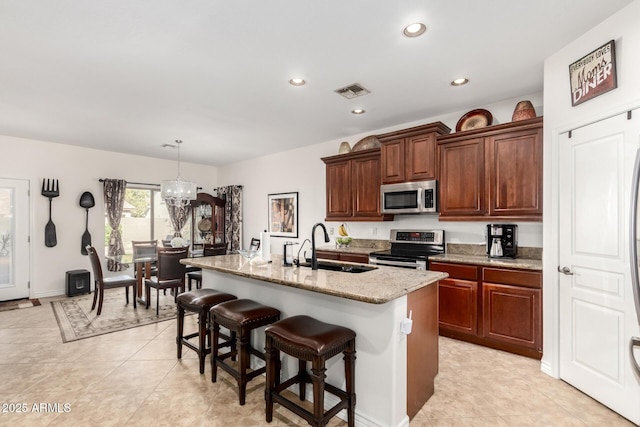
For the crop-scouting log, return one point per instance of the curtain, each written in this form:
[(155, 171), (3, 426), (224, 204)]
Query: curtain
[(178, 216), (114, 190), (232, 214)]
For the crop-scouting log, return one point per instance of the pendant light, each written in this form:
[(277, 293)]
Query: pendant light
[(178, 192)]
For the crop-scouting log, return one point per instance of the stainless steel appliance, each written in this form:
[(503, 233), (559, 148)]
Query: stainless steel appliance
[(410, 249), (634, 342), (502, 240), (409, 197)]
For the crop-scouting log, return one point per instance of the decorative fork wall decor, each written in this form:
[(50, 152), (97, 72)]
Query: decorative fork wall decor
[(51, 190)]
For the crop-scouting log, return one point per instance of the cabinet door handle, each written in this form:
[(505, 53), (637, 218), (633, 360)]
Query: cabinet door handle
[(565, 270)]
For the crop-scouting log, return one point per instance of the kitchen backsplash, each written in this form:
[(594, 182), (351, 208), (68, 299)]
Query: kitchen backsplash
[(480, 250)]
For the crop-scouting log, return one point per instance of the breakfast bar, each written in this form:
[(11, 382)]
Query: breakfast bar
[(372, 303)]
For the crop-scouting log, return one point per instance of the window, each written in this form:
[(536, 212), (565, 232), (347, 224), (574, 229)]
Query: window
[(144, 217)]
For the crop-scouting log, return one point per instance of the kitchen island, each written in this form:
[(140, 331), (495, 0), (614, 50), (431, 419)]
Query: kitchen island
[(394, 372)]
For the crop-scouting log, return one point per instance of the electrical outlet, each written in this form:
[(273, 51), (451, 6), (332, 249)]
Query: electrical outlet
[(374, 231), (331, 231)]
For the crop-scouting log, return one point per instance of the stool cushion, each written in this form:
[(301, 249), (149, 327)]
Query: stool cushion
[(244, 312), (310, 334), (195, 275), (199, 299)]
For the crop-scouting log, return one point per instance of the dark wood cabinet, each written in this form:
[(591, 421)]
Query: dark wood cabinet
[(512, 307), (353, 187), (410, 154), (492, 173), (457, 298), (515, 173), (207, 220), (462, 182), (495, 307), (343, 256)]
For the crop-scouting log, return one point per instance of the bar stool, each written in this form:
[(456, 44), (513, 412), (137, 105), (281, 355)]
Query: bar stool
[(240, 316), (194, 276), (198, 301), (308, 339)]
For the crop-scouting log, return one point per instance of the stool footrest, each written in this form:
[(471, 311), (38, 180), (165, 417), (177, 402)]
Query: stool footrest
[(234, 372), (303, 413), (195, 347)]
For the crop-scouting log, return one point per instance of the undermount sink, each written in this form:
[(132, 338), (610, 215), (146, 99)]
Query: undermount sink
[(342, 267)]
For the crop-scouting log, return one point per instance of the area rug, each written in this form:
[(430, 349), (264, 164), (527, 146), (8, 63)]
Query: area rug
[(77, 321), (19, 303)]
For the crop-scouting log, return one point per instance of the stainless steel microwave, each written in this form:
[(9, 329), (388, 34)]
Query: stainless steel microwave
[(409, 197)]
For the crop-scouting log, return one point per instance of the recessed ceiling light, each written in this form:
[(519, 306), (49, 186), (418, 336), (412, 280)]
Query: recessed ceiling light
[(460, 82), (414, 30), (296, 81), (358, 111)]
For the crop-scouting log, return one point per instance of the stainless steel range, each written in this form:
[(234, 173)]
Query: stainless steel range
[(410, 249)]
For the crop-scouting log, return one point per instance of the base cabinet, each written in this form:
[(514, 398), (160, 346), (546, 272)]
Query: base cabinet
[(495, 307), (343, 256), (511, 314), (458, 298)]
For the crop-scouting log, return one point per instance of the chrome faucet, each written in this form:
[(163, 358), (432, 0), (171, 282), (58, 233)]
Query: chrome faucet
[(314, 258)]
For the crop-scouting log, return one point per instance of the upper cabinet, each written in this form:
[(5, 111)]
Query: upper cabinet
[(207, 219), (353, 187), (410, 154), (492, 173)]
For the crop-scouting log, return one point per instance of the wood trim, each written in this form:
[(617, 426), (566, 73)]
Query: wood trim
[(491, 130), (422, 347), (437, 127)]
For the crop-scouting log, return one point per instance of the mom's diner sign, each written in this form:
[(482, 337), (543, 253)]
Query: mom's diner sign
[(593, 74)]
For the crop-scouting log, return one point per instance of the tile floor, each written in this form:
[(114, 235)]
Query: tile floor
[(133, 378)]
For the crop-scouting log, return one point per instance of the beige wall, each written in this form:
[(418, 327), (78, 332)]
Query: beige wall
[(78, 170)]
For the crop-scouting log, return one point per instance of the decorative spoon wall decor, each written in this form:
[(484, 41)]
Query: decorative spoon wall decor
[(51, 190), (86, 201)]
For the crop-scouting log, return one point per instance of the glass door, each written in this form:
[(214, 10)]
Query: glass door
[(14, 239)]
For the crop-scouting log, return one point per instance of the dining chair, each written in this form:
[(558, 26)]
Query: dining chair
[(102, 283), (171, 273), (210, 249), (145, 248)]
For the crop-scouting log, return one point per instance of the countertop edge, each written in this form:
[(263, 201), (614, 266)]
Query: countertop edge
[(433, 278)]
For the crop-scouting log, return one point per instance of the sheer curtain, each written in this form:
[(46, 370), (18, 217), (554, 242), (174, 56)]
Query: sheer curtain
[(114, 191), (233, 214)]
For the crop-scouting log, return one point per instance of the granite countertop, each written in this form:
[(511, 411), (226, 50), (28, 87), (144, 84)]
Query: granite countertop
[(525, 263), (358, 246), (377, 286)]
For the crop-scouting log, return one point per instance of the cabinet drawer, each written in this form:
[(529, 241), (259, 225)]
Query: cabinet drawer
[(456, 271), (327, 255), (529, 279), (361, 258)]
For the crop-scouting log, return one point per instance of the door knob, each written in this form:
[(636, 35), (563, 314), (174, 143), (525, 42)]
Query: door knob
[(565, 270)]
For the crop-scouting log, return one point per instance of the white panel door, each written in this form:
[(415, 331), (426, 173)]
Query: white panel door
[(14, 239), (597, 311)]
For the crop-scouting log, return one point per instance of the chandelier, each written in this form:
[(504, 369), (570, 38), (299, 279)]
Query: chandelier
[(178, 192)]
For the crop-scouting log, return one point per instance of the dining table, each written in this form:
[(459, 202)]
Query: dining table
[(142, 267)]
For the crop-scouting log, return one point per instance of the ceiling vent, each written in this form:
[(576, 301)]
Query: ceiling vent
[(352, 91)]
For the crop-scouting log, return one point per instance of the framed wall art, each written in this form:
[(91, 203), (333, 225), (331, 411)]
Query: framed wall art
[(283, 214), (593, 74)]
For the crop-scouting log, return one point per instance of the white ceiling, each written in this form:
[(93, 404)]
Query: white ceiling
[(132, 75)]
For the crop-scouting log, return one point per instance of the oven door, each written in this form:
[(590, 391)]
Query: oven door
[(396, 261)]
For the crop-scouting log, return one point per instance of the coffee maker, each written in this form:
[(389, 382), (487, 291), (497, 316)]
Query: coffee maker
[(502, 240)]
